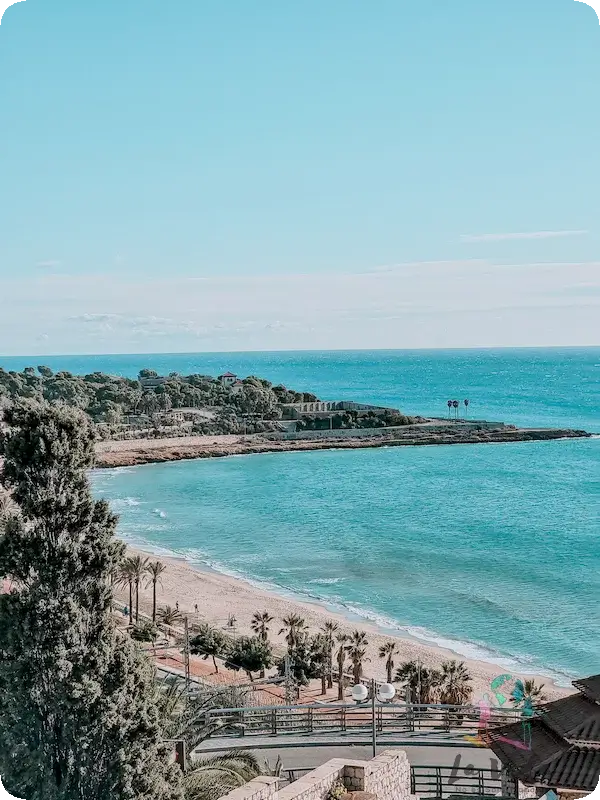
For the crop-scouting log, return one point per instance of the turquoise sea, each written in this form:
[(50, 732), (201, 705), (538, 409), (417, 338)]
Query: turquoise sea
[(493, 550)]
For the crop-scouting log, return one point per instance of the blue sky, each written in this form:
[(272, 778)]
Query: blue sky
[(209, 175)]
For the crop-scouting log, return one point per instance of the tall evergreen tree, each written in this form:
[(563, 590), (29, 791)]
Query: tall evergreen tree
[(78, 720)]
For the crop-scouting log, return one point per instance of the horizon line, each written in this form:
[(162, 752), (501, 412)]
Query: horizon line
[(321, 350)]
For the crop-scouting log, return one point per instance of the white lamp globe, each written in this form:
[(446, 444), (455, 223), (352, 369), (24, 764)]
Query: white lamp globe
[(386, 692), (359, 693)]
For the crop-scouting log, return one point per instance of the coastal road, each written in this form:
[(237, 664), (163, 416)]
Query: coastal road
[(459, 762), (308, 757)]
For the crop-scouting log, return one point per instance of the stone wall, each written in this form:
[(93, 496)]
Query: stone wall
[(262, 788), (404, 430), (387, 777), (315, 785), (337, 433)]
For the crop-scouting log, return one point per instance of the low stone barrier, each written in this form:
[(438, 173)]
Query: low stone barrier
[(262, 788), (386, 777)]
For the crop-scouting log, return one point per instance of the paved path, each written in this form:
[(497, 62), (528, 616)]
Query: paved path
[(305, 758), (337, 739), (458, 761)]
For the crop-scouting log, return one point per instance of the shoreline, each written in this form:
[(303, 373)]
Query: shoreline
[(218, 595), (135, 452)]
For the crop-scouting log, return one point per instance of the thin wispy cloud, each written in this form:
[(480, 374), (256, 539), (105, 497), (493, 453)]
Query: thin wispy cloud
[(502, 237), (464, 303), (48, 264)]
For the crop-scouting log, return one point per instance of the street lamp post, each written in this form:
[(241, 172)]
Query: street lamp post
[(385, 694)]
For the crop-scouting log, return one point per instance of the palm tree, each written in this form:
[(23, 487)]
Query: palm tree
[(330, 628), (260, 624), (138, 567), (455, 684), (320, 657), (528, 695), (8, 507), (183, 716), (294, 628), (126, 578), (388, 651), (356, 649), (168, 616), (342, 639), (155, 569), (211, 778), (421, 682)]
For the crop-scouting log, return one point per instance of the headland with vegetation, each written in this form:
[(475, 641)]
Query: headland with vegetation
[(157, 418)]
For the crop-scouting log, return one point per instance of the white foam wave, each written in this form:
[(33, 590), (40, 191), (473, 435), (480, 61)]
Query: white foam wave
[(125, 502), (471, 650)]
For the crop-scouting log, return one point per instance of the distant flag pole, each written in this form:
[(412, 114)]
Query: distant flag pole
[(466, 408)]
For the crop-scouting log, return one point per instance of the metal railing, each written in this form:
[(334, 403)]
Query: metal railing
[(435, 782), (447, 782), (395, 718)]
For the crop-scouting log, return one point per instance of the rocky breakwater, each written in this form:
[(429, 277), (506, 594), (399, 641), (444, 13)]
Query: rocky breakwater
[(135, 452)]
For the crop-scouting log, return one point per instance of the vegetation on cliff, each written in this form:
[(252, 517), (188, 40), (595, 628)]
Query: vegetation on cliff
[(145, 407), (110, 399)]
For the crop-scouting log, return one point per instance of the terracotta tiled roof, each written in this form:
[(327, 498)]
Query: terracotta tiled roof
[(548, 763), (575, 718), (525, 764), (563, 749), (579, 768), (590, 687)]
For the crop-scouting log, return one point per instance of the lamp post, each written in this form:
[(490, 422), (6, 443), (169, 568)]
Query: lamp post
[(385, 694)]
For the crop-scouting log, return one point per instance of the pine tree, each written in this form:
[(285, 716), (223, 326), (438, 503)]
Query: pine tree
[(78, 719)]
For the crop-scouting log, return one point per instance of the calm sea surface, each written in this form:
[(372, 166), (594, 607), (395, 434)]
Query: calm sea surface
[(493, 550)]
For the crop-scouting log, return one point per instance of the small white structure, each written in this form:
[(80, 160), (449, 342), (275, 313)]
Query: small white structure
[(237, 387), (227, 379)]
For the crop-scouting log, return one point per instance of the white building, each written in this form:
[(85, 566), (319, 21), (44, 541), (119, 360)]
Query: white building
[(227, 379)]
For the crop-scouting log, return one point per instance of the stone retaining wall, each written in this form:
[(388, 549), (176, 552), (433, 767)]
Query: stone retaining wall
[(387, 777), (391, 431), (262, 788)]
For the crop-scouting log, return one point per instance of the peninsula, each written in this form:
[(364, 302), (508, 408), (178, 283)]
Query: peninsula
[(155, 418), (135, 452)]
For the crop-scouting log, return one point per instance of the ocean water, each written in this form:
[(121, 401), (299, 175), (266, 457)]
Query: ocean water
[(493, 550)]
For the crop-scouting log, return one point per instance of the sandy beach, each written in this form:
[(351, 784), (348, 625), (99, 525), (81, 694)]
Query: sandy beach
[(219, 595)]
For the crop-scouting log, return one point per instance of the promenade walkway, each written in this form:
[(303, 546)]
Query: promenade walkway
[(217, 744)]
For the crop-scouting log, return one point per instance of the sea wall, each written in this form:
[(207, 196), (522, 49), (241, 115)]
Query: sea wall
[(391, 431)]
